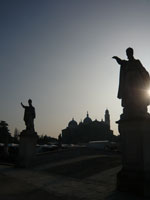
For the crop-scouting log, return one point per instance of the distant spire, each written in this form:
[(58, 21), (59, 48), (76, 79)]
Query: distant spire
[(106, 111), (87, 114)]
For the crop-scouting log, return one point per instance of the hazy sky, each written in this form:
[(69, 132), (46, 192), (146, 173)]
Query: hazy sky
[(58, 53)]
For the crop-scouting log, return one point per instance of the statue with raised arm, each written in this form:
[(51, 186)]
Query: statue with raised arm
[(29, 115), (133, 86)]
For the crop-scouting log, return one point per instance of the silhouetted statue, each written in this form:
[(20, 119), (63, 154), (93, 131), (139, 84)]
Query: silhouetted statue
[(29, 115), (133, 86)]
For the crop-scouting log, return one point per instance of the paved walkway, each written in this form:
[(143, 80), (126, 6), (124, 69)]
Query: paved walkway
[(37, 183), (95, 187)]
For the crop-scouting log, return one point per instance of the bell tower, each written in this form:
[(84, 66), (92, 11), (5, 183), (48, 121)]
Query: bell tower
[(107, 117)]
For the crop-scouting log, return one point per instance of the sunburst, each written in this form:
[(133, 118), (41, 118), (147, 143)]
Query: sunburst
[(148, 92)]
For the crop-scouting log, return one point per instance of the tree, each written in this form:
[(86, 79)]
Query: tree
[(44, 139), (4, 135), (16, 136)]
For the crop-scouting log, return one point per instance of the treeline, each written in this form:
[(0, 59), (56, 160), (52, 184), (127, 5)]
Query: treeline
[(7, 138), (44, 139)]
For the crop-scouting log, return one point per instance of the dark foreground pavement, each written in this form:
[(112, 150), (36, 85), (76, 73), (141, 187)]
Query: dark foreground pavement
[(48, 182)]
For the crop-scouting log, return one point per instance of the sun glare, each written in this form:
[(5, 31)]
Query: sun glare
[(148, 92)]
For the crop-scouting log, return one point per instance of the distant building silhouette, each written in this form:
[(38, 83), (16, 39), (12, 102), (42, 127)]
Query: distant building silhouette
[(72, 124), (107, 118), (87, 120), (87, 130)]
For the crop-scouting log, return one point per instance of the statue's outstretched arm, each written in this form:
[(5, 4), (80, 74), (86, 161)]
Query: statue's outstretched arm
[(119, 61), (22, 105)]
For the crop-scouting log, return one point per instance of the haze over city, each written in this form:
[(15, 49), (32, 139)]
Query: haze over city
[(59, 54)]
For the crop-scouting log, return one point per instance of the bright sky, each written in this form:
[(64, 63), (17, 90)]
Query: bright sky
[(59, 54)]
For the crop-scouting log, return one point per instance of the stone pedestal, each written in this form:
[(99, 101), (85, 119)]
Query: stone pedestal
[(135, 144), (27, 148)]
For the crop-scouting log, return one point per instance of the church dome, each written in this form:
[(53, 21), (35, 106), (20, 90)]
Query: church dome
[(72, 123), (87, 120), (80, 123)]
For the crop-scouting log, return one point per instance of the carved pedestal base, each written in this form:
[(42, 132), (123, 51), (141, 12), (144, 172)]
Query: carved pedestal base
[(135, 143), (27, 148)]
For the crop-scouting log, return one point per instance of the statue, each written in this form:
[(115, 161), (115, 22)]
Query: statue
[(133, 86), (29, 115)]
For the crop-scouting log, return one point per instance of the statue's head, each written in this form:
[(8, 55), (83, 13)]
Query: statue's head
[(129, 52), (30, 102)]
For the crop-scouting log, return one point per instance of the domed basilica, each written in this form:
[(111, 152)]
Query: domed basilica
[(87, 130)]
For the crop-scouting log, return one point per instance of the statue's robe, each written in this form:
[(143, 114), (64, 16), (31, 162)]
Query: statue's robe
[(134, 84), (29, 116)]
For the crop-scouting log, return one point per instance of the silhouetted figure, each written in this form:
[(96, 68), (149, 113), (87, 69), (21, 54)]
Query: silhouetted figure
[(29, 115), (133, 86)]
